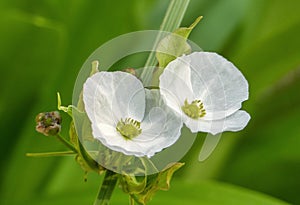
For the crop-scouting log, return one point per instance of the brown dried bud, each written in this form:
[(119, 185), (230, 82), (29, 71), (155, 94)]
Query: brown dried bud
[(130, 70), (48, 123)]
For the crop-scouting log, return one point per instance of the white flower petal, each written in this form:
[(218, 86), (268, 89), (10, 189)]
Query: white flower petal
[(99, 110), (235, 122), (160, 129), (217, 83), (111, 138), (129, 96), (110, 96), (175, 84)]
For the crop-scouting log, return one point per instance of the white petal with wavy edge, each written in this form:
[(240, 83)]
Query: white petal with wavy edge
[(110, 96), (118, 96), (175, 84), (235, 122), (160, 129), (208, 77), (217, 83)]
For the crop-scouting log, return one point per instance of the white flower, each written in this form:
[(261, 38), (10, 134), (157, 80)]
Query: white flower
[(127, 118), (207, 91)]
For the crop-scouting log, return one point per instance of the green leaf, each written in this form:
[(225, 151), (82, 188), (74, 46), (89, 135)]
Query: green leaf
[(212, 193), (206, 192)]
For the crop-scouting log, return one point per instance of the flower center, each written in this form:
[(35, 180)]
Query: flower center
[(194, 110), (129, 128)]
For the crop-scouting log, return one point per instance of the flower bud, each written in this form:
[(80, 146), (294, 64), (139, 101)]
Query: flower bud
[(48, 123), (130, 70)]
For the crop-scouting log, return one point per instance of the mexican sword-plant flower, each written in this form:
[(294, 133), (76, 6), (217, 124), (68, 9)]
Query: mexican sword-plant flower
[(127, 118), (207, 91)]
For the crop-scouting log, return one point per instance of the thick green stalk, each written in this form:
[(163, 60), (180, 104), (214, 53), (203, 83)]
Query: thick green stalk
[(172, 20), (107, 188)]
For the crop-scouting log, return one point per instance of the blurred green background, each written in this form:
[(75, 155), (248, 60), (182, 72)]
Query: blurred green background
[(43, 44)]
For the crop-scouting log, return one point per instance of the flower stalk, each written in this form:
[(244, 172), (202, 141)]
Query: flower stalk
[(66, 143), (172, 21), (51, 154), (107, 187)]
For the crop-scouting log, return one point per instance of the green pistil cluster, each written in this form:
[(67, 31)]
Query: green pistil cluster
[(129, 128), (194, 110)]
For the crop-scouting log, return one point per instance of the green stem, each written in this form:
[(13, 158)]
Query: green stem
[(66, 143), (131, 200), (172, 20), (107, 188), (51, 154)]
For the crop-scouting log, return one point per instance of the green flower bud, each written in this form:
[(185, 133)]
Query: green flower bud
[(48, 123)]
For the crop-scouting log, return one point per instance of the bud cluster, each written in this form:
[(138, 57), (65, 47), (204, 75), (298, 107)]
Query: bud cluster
[(48, 123)]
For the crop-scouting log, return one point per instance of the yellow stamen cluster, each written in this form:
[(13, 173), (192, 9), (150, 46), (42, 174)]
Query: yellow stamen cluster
[(194, 110), (129, 128)]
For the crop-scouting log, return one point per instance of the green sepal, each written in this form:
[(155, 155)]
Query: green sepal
[(80, 106), (83, 158), (63, 108), (175, 44), (133, 184), (94, 70), (171, 47), (160, 181), (185, 31), (95, 67)]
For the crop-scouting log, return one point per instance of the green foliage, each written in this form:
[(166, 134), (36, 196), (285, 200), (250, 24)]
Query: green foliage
[(44, 44), (205, 192), (212, 193)]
